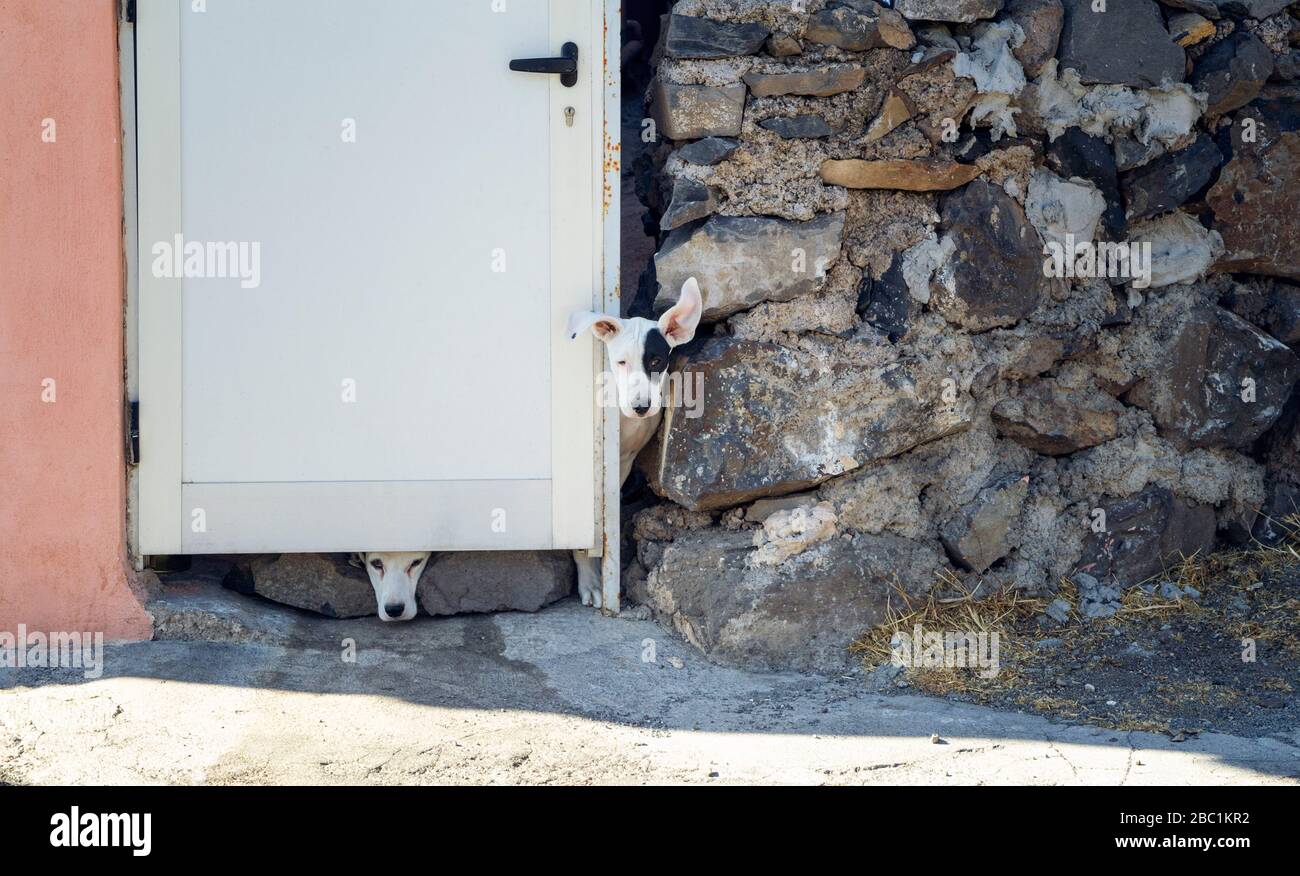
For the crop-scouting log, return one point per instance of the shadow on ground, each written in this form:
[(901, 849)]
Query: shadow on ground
[(263, 693)]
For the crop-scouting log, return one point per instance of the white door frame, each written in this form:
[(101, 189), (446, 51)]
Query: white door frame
[(151, 141)]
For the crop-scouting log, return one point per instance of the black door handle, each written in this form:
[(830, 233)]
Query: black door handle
[(566, 65)]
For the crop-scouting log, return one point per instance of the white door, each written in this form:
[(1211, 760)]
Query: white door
[(360, 236)]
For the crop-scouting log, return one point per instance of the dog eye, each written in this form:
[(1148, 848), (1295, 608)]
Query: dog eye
[(623, 364), (377, 564), (415, 565)]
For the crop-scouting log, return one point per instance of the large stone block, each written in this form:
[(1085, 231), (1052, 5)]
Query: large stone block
[(690, 37), (324, 583), (1170, 180), (801, 614), (688, 112), (1124, 44), (775, 420), (1232, 72), (994, 276), (1145, 534), (1219, 381), (1048, 419), (854, 28), (1254, 205), (742, 260), (979, 535), (461, 582), (1041, 21)]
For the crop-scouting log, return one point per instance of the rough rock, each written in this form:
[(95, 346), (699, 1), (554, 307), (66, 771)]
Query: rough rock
[(1280, 516), (1282, 314), (1286, 66), (324, 583), (777, 421), (1076, 153), (897, 109), (921, 175), (1256, 9), (689, 37), (1145, 534), (688, 112), (1182, 249), (1040, 21), (1059, 611), (1232, 72), (1063, 211), (819, 82), (894, 29), (978, 536), (1131, 153), (792, 531), (1188, 28), (1048, 419), (782, 45), (479, 581), (708, 151), (691, 200), (1097, 601), (1218, 381), (1171, 180), (742, 260), (801, 614), (1254, 204), (887, 304), (1127, 44), (963, 11), (845, 28), (798, 127), (995, 274)]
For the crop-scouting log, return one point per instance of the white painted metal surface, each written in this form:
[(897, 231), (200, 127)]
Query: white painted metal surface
[(394, 375)]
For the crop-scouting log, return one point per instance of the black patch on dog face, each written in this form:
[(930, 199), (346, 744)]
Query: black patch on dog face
[(654, 358)]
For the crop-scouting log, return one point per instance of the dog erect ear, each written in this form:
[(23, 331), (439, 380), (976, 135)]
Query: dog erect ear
[(602, 325), (679, 322)]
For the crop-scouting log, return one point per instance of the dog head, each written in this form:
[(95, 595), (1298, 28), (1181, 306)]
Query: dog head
[(638, 348), (393, 575)]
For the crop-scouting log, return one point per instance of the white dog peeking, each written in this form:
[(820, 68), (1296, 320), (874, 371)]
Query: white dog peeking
[(394, 576), (638, 351)]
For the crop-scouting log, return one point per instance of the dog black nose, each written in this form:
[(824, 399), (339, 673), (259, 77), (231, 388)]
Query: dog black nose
[(641, 409), (395, 609)]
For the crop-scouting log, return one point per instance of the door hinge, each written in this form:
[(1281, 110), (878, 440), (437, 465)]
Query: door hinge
[(128, 11), (133, 434)]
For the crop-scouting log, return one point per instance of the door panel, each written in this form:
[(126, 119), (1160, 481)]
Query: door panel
[(376, 255), (397, 376)]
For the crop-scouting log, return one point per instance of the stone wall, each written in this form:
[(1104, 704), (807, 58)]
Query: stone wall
[(898, 392)]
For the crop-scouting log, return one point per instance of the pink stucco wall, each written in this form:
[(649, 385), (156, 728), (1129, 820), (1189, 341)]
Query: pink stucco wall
[(63, 559)]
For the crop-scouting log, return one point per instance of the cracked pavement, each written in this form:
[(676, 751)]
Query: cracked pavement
[(237, 690)]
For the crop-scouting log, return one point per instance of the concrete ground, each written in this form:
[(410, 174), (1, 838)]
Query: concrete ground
[(563, 696)]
